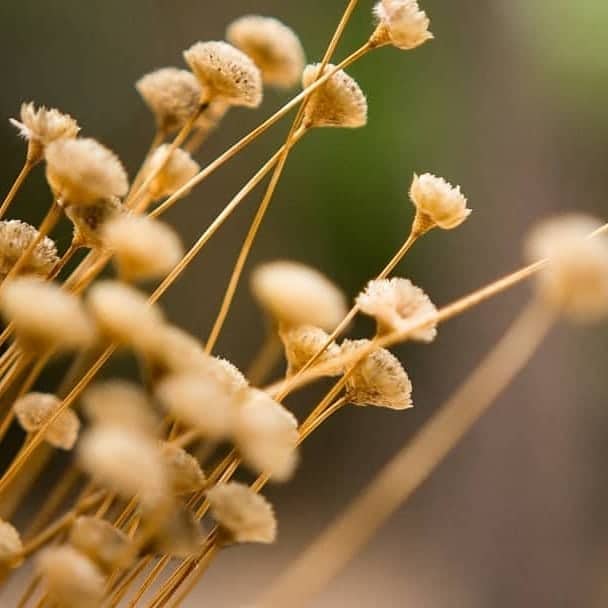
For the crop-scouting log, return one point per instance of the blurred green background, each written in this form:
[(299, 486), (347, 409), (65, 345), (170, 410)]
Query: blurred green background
[(510, 102)]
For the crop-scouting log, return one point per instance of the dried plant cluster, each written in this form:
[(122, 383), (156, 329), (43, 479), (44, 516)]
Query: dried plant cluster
[(152, 483)]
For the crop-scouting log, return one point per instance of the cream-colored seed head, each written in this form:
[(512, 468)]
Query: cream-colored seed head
[(233, 377), (211, 117), (266, 435), (82, 171), (437, 202), (295, 294), (124, 314), (35, 409), (11, 547), (143, 247), (72, 579), (15, 237), (402, 24), (274, 47), (225, 73), (184, 470), (179, 534), (379, 379), (89, 220), (395, 303), (339, 102), (172, 95), (45, 316), (243, 515), (302, 343), (176, 171), (575, 282)]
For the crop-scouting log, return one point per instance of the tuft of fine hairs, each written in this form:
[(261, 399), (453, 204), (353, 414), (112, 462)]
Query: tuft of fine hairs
[(184, 470), (303, 342), (401, 23), (169, 174)]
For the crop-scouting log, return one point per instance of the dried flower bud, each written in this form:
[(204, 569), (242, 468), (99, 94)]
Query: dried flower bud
[(11, 547), (339, 102), (35, 409), (169, 174), (243, 515), (395, 302), (143, 247), (294, 294), (184, 470), (82, 171), (274, 47), (401, 23), (266, 435), (46, 317), (124, 314), (179, 534), (172, 95), (379, 379), (233, 377), (225, 73), (302, 343), (438, 203), (15, 237), (575, 282), (89, 220), (72, 579), (127, 462), (102, 542)]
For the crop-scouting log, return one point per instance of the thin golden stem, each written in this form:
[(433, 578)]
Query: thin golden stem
[(149, 580), (157, 140), (14, 373), (64, 261), (196, 140), (29, 591), (19, 180), (266, 358), (127, 581)]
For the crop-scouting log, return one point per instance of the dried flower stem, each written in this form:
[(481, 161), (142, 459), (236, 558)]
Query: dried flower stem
[(19, 180), (265, 359), (157, 140)]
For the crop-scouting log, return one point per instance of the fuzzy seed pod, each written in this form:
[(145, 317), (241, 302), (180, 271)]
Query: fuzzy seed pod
[(46, 317), (225, 73), (35, 409), (15, 237), (302, 343), (438, 203), (179, 535), (339, 102), (575, 282), (266, 435), (72, 579), (243, 515), (184, 470), (82, 171), (379, 379), (172, 95), (395, 302), (401, 23), (143, 247), (11, 547), (274, 47), (179, 169), (294, 294), (89, 220)]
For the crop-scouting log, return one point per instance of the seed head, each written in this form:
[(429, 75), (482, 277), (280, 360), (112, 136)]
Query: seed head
[(401, 23), (212, 116), (395, 302), (184, 470), (243, 515), (225, 73), (266, 435), (175, 172), (302, 343), (179, 534), (438, 203), (45, 316), (35, 409), (274, 47), (89, 220), (143, 247), (15, 237), (11, 547), (294, 294), (379, 379), (339, 102), (575, 282)]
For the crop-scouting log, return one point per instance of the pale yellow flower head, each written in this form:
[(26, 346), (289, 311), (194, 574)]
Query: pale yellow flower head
[(89, 220), (176, 171), (11, 546), (15, 237), (402, 24), (303, 342)]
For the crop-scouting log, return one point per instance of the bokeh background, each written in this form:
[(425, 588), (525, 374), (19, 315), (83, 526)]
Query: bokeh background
[(510, 102)]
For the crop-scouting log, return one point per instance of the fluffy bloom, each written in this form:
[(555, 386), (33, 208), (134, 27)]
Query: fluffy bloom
[(35, 409), (274, 47), (401, 23), (575, 281), (243, 515), (395, 302), (184, 470), (339, 102), (11, 546), (266, 435), (179, 534), (379, 379), (82, 171), (225, 73), (302, 343), (294, 294), (170, 174), (143, 247), (438, 202), (90, 219), (15, 237), (45, 316)]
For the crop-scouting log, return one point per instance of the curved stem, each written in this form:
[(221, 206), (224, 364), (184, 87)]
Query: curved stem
[(266, 358), (21, 177)]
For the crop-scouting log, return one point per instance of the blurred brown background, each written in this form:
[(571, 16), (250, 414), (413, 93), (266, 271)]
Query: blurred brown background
[(509, 101)]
